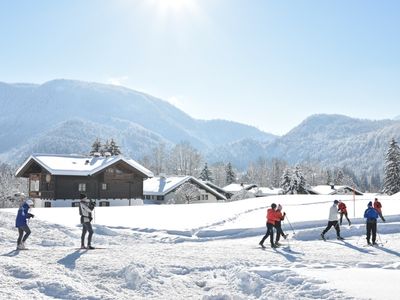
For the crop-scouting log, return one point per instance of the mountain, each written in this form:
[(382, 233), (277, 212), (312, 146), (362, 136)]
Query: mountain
[(330, 140), (65, 116)]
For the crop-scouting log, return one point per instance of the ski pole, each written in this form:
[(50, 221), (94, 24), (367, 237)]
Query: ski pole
[(290, 224), (379, 236)]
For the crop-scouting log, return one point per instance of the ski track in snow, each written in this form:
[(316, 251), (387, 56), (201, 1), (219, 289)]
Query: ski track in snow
[(208, 262)]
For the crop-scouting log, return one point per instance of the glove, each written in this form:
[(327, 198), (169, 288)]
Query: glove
[(284, 214), (31, 216)]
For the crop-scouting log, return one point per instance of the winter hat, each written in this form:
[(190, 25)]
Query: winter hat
[(279, 207), (29, 202), (369, 203), (82, 196), (336, 201), (273, 205)]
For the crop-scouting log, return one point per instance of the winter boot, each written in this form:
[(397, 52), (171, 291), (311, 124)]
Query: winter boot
[(90, 247), (340, 238), (261, 244), (323, 237)]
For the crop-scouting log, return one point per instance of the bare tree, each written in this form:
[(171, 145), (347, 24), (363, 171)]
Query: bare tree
[(187, 193), (185, 160)]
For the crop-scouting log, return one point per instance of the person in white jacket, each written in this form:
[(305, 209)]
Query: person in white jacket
[(85, 210), (333, 221)]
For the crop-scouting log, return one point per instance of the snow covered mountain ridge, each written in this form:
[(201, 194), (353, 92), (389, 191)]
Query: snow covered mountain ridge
[(66, 116)]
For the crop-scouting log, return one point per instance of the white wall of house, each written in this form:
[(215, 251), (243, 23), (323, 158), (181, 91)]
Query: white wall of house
[(99, 202), (204, 198)]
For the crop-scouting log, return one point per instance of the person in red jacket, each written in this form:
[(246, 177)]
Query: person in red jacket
[(278, 226), (378, 208), (272, 217), (342, 209)]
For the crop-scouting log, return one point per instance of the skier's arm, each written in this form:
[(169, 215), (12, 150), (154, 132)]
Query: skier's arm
[(85, 210)]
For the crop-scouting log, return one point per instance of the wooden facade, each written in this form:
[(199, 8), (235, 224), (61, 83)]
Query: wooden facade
[(119, 180)]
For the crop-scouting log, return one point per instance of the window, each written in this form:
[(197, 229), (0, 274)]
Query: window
[(82, 187), (47, 204), (206, 197), (104, 203), (148, 197), (75, 204), (160, 197), (104, 186), (34, 185)]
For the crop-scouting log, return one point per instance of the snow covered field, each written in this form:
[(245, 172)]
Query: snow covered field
[(202, 251)]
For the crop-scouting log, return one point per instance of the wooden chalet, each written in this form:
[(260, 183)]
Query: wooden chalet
[(58, 180)]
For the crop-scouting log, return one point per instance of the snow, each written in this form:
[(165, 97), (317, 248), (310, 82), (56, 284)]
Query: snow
[(202, 251), (75, 165)]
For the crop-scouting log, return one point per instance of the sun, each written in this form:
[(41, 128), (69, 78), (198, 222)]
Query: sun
[(175, 7)]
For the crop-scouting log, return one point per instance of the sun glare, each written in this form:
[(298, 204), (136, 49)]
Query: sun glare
[(175, 7)]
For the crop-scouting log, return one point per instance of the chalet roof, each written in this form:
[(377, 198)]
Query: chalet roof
[(236, 187), (328, 190), (161, 186), (74, 165), (265, 191)]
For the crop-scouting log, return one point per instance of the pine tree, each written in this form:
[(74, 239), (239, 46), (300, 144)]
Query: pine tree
[(298, 182), (96, 147), (114, 148), (105, 148), (329, 180), (285, 183), (339, 177), (206, 174), (391, 182), (230, 174)]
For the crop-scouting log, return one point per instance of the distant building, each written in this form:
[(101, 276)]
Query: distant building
[(335, 190), (162, 189), (265, 191), (233, 188), (58, 180)]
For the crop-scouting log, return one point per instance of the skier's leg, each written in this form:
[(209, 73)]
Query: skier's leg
[(90, 230), (27, 232), (84, 230), (278, 231), (337, 228), (341, 218), (20, 234), (373, 229), (347, 217), (327, 227), (271, 235), (369, 228)]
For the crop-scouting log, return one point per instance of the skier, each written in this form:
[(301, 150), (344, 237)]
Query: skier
[(22, 224), (272, 217), (343, 211), (85, 210), (333, 221), (371, 216), (378, 207), (279, 231)]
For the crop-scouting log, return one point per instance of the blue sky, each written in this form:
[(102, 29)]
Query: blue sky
[(265, 63)]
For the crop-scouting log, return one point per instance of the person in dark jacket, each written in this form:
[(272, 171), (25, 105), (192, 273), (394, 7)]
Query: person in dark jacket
[(85, 210), (371, 215), (278, 225), (21, 223)]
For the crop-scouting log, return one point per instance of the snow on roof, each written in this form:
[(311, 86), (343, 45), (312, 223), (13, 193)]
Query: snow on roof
[(262, 191), (74, 165), (161, 185), (236, 187), (327, 189)]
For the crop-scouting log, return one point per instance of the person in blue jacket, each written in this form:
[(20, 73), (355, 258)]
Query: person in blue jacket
[(371, 216), (21, 223)]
